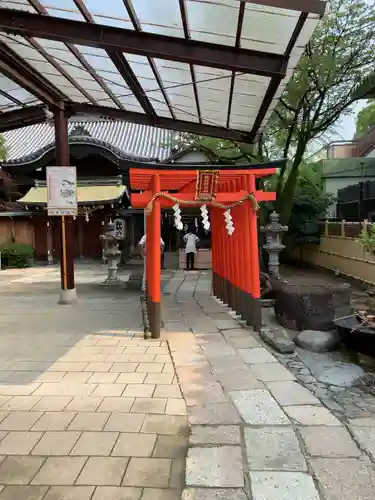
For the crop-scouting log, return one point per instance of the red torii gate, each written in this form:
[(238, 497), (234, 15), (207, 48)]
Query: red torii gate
[(235, 258)]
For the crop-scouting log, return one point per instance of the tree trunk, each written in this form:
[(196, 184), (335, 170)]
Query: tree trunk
[(284, 202)]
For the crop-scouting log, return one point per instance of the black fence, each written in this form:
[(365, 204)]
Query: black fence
[(357, 202)]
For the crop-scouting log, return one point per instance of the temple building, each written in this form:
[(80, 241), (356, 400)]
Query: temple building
[(103, 150)]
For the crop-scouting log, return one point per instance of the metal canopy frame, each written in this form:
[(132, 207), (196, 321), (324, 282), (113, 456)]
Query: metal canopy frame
[(36, 25)]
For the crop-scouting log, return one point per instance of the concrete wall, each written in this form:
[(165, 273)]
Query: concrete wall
[(339, 250)]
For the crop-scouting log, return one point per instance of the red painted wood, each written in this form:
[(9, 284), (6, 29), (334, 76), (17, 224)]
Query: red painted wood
[(253, 229)]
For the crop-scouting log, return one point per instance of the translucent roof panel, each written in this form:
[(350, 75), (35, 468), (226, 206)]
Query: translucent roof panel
[(12, 96), (213, 21), (215, 67), (17, 4), (162, 17)]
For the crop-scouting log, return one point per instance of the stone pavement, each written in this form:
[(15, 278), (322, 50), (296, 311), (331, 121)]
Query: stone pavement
[(330, 378), (89, 410), (255, 432)]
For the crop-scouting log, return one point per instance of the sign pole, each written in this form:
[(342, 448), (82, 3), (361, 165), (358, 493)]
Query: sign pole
[(63, 254), (62, 202)]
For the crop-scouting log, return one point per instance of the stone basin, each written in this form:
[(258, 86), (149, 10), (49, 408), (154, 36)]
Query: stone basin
[(311, 307), (356, 336)]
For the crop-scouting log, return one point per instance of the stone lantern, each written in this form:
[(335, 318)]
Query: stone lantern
[(111, 251), (274, 232)]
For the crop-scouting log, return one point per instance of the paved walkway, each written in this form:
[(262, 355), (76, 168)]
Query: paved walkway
[(255, 432), (89, 410)]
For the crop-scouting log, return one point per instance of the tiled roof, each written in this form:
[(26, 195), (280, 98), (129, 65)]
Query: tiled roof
[(133, 140), (85, 194)]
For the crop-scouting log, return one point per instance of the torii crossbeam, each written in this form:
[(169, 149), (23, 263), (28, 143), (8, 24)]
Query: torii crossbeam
[(235, 257)]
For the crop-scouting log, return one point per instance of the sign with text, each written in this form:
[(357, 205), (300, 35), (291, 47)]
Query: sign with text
[(62, 191), (207, 181)]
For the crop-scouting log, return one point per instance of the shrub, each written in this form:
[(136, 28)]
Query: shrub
[(16, 255), (367, 239)]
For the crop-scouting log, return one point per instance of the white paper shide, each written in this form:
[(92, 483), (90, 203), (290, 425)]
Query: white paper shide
[(62, 191)]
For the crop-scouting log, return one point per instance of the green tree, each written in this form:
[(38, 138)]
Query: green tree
[(221, 151), (3, 151), (365, 119), (337, 58), (309, 207)]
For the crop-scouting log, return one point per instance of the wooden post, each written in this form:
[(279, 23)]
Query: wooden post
[(254, 305), (223, 256), (218, 252), (246, 270), (242, 257), (153, 259), (228, 244), (213, 253), (68, 292), (235, 252), (343, 222)]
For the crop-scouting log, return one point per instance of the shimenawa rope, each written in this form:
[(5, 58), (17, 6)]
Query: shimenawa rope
[(213, 203)]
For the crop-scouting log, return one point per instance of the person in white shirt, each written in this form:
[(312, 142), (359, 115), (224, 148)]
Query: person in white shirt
[(191, 240), (142, 246)]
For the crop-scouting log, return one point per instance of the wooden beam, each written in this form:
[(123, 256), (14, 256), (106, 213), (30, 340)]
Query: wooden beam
[(141, 200)]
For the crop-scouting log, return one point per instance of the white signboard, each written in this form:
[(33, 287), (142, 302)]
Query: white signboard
[(62, 191)]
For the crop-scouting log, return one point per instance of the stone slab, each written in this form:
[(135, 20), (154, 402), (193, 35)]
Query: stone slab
[(69, 493), (25, 493), (213, 494), (256, 355), (283, 486), (219, 466), (258, 407), (272, 372), (19, 470), (311, 415), (239, 380), (329, 371), (278, 339), (160, 494), (362, 422), (329, 442), (365, 436), (272, 448), (117, 493), (345, 478), (103, 471), (222, 434), (148, 472), (226, 324), (289, 393), (213, 413)]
